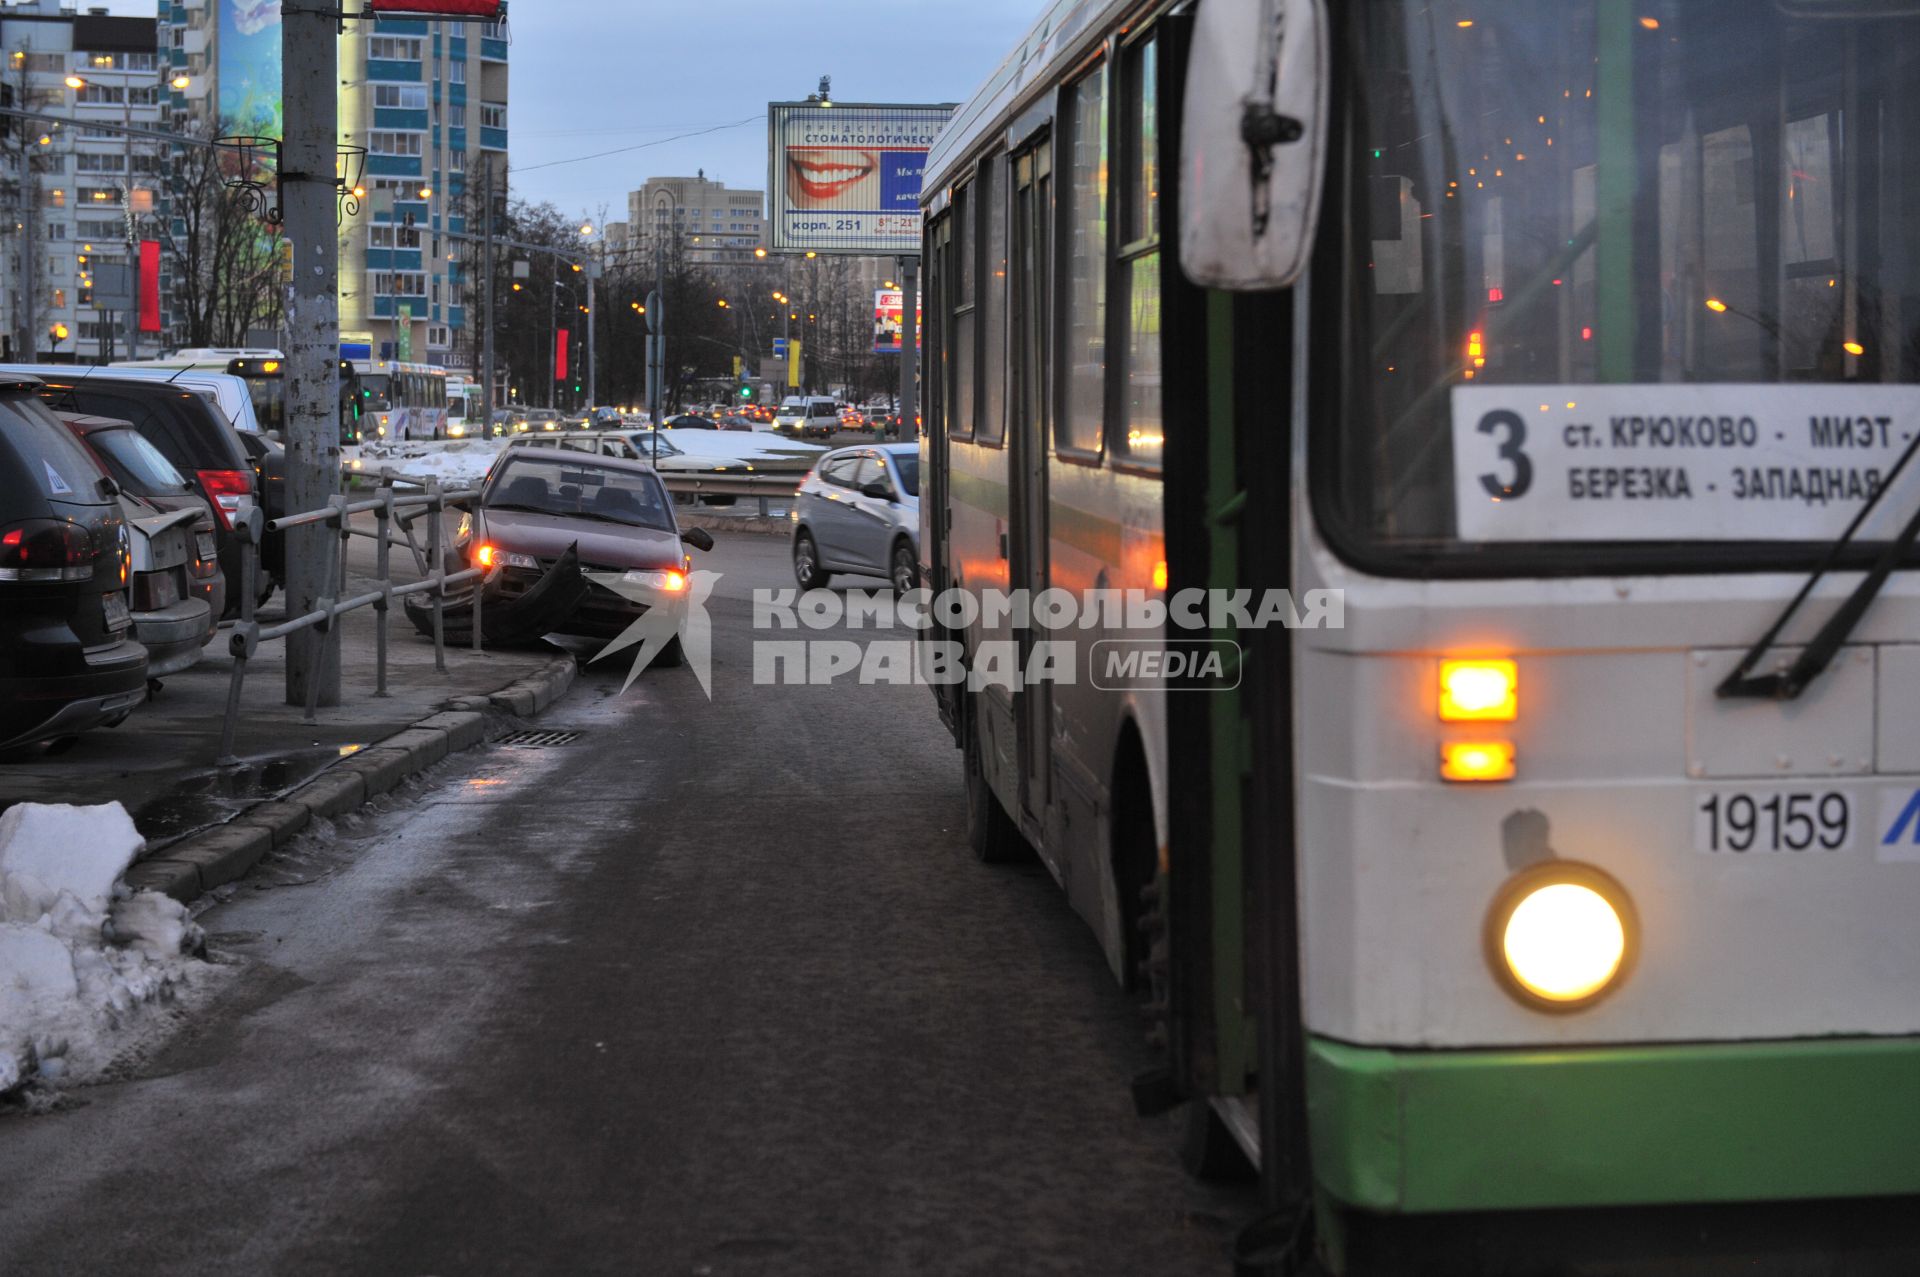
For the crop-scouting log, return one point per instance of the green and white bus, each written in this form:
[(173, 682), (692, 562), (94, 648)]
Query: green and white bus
[(1558, 911)]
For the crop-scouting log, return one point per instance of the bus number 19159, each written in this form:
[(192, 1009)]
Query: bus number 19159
[(1778, 821)]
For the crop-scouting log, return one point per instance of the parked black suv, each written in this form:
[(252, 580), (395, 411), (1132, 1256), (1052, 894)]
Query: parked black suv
[(66, 661), (189, 432)]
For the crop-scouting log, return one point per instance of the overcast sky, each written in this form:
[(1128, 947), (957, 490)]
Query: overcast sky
[(599, 75)]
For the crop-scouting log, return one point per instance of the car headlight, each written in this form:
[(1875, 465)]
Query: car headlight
[(1560, 935), (666, 580)]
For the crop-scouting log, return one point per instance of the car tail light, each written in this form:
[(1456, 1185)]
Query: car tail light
[(231, 490), (46, 550)]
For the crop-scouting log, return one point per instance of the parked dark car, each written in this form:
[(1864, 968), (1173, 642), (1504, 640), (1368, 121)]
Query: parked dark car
[(188, 431), (143, 472), (67, 661), (538, 503), (269, 457), (691, 421)]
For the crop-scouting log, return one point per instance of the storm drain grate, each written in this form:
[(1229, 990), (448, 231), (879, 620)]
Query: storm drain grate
[(538, 740)]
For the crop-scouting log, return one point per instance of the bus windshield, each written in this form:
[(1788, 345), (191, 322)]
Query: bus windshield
[(1633, 275)]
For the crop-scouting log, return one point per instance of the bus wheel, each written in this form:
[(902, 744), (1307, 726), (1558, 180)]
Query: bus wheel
[(991, 833), (1208, 1150), (806, 563)]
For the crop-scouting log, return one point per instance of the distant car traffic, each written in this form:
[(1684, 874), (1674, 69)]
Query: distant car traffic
[(691, 421), (539, 501), (858, 511), (68, 659)]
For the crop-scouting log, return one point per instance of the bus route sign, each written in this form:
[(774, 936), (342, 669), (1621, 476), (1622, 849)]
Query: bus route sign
[(844, 178), (1679, 462)]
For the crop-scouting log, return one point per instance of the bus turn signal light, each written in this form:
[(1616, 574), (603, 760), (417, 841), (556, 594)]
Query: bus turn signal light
[(1476, 760), (1479, 692)]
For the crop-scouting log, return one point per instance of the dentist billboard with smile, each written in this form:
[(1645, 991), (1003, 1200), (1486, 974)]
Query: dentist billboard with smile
[(845, 178)]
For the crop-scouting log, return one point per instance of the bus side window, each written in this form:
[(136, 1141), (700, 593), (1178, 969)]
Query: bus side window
[(1137, 433)]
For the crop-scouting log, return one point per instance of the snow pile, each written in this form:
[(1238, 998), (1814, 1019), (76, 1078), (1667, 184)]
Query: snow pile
[(457, 463), (78, 951), (741, 445)]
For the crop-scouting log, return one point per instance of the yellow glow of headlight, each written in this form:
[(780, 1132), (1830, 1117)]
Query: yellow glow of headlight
[(1479, 692), (1477, 760), (1563, 942)]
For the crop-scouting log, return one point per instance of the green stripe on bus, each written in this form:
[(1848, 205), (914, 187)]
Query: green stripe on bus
[(1420, 1131)]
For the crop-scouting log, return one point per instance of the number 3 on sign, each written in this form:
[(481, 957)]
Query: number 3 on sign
[(1508, 423)]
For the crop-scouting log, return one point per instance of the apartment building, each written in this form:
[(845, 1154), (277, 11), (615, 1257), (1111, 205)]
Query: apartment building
[(715, 226), (79, 195), (428, 103)]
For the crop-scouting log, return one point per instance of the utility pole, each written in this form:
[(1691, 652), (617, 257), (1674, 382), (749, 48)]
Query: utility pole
[(309, 192), (909, 345), (486, 359), (593, 342)]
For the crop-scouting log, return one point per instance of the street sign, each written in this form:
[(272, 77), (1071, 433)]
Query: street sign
[(779, 347), (482, 10)]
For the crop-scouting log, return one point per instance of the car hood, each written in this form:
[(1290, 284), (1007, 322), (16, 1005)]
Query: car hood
[(602, 545)]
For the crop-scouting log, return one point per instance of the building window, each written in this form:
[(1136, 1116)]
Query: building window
[(387, 48), (456, 72), (390, 236), (56, 230), (85, 163), (404, 97), (406, 144), (493, 115), (399, 284), (89, 195), (439, 337), (59, 299)]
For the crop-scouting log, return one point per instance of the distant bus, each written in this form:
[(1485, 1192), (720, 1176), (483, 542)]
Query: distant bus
[(402, 400), (463, 407), (263, 370)]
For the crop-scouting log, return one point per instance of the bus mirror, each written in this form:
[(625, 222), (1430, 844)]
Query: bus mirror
[(1254, 145)]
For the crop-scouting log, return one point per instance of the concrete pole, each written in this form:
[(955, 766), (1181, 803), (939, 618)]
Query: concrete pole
[(909, 344), (487, 357), (593, 343), (310, 61)]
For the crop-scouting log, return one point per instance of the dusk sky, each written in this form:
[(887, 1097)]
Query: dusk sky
[(593, 76)]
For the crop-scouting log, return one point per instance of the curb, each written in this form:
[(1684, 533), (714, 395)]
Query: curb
[(195, 866)]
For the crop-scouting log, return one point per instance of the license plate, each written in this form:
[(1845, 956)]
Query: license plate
[(205, 547), (1764, 822), (118, 618)]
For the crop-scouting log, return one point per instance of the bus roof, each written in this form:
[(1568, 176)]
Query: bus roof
[(1067, 31)]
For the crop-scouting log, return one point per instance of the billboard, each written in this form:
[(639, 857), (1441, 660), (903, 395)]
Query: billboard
[(249, 68), (889, 312), (846, 178)]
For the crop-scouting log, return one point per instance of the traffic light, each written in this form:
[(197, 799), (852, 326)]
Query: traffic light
[(746, 392)]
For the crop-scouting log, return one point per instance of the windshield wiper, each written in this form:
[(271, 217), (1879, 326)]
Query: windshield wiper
[(1787, 684)]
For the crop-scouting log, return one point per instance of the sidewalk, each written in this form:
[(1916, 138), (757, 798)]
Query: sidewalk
[(160, 762)]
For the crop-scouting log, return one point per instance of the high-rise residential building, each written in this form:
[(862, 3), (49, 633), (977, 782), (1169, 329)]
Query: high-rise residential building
[(714, 225), (428, 102), (79, 194)]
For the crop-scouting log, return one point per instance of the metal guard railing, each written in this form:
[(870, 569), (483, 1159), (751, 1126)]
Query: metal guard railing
[(391, 509)]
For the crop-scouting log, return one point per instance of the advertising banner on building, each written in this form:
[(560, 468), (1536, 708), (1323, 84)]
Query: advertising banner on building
[(889, 312), (845, 178)]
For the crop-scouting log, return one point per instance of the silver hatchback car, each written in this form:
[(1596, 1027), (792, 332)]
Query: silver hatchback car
[(858, 511)]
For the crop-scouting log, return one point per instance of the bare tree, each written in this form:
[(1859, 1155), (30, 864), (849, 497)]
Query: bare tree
[(225, 258)]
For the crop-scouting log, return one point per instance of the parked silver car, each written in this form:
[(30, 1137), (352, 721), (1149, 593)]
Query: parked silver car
[(858, 511)]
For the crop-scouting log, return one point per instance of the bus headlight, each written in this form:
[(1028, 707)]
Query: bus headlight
[(1560, 935)]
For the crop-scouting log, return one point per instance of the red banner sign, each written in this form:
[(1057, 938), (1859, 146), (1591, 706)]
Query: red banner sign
[(560, 354), (487, 9), (150, 286)]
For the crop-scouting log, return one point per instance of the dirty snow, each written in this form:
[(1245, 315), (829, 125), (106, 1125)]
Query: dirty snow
[(457, 463), (80, 954)]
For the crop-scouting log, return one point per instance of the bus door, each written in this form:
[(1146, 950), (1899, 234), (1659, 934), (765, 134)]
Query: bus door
[(1028, 430)]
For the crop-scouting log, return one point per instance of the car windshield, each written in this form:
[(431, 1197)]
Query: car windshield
[(1621, 275), (908, 464), (572, 487), (136, 464)]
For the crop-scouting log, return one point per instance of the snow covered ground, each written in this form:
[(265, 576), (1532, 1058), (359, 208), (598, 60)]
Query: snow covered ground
[(463, 463), (80, 955)]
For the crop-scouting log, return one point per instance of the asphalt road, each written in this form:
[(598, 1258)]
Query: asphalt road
[(715, 989)]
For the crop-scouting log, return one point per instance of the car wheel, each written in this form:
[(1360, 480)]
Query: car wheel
[(672, 656), (806, 563), (906, 571)]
